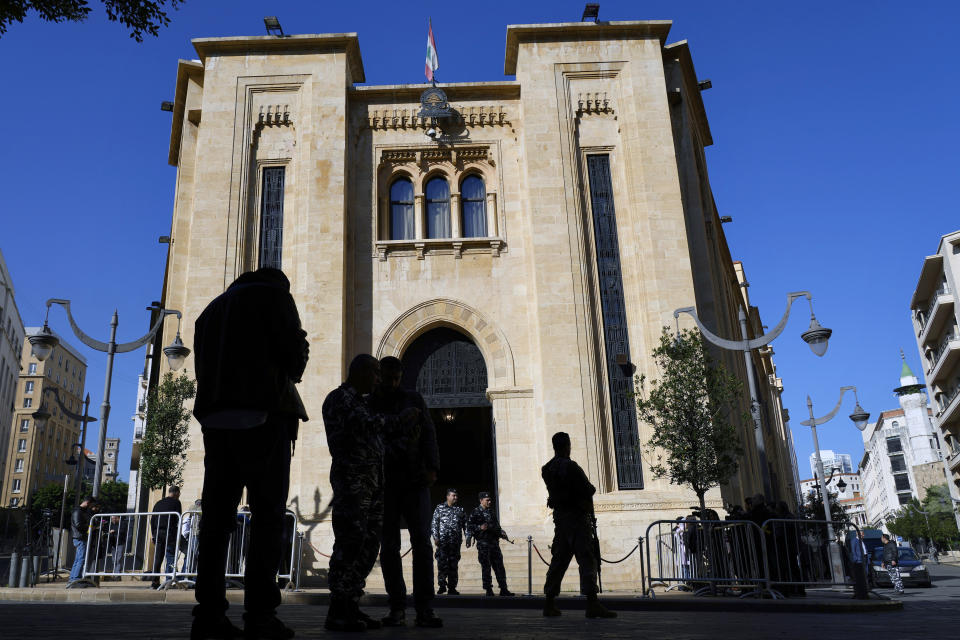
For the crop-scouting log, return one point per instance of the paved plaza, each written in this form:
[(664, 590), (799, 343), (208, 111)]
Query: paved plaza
[(926, 613)]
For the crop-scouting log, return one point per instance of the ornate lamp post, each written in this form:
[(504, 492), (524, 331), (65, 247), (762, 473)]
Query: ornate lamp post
[(860, 419), (816, 336), (43, 343), (42, 415)]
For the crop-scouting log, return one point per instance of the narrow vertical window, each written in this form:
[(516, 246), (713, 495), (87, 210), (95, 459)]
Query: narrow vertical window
[(438, 208), (271, 217), (615, 338), (473, 194), (401, 210)]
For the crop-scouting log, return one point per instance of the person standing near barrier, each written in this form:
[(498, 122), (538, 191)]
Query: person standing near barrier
[(79, 526), (250, 351), (482, 526), (355, 437), (410, 466), (165, 530), (570, 495), (858, 559), (891, 562), (447, 528)]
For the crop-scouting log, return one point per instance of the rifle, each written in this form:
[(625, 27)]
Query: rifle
[(596, 548)]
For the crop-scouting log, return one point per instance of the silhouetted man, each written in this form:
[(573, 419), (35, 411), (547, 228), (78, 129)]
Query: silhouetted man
[(250, 351), (166, 529), (482, 526), (355, 436), (570, 495)]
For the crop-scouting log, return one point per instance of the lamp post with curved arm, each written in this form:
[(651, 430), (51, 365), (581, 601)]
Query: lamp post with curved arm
[(42, 415), (860, 419), (816, 336), (43, 343)]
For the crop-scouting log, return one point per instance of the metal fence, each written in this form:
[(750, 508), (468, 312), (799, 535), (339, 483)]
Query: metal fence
[(707, 556), (801, 553), (164, 547)]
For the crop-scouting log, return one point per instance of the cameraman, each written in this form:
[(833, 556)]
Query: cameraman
[(79, 526)]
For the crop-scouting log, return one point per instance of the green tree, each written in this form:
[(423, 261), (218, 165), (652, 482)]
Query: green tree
[(113, 497), (692, 410), (163, 453), (938, 524), (812, 508), (139, 16)]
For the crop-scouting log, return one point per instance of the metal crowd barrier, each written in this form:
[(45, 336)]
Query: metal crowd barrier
[(164, 546), (708, 557), (800, 554)]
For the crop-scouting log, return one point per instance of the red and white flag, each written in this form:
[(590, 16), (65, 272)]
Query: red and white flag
[(433, 61)]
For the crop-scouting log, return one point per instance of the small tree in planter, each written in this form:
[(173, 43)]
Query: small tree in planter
[(163, 453)]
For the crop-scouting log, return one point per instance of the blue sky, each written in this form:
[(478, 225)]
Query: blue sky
[(835, 145)]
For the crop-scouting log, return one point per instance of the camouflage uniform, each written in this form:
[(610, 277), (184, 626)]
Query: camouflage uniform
[(571, 498), (447, 528), (488, 545), (355, 435)]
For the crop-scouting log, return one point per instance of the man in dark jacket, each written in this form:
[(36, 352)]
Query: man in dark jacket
[(79, 526), (570, 495), (482, 526), (165, 528), (249, 352), (410, 465), (891, 561)]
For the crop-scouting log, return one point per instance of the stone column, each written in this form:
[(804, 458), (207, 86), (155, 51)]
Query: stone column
[(418, 225), (455, 218), (492, 215)]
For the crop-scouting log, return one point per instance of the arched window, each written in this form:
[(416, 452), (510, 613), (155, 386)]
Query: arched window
[(401, 210), (473, 194), (438, 208)]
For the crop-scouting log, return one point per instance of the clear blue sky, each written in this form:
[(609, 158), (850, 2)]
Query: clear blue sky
[(835, 144)]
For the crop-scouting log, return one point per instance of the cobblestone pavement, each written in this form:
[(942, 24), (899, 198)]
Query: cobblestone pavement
[(927, 613)]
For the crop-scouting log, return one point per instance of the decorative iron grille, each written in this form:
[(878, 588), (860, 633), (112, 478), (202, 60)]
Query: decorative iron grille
[(610, 280), (449, 369), (271, 217)]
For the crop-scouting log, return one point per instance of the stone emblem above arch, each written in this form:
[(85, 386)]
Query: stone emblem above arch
[(447, 312)]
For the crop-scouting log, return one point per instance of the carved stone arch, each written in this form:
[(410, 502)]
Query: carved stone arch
[(477, 169), (437, 171), (458, 315)]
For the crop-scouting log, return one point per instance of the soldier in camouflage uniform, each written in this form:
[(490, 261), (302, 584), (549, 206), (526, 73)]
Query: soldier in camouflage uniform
[(355, 436), (447, 527), (483, 527), (571, 498)]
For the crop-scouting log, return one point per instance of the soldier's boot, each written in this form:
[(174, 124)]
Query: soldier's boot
[(489, 592), (550, 608), (341, 617), (506, 592), (453, 592), (441, 590), (396, 618), (597, 610), (427, 618)]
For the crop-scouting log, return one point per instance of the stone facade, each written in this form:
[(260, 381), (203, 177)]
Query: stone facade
[(11, 348), (525, 290)]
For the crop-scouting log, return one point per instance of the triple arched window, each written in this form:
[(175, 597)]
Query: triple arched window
[(437, 209)]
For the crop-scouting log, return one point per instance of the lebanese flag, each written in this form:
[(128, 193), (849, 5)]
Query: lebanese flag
[(433, 61)]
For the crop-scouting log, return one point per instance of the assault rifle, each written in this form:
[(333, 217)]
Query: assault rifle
[(596, 548)]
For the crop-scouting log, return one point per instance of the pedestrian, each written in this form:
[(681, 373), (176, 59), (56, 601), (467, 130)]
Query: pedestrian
[(891, 561), (79, 527), (483, 527), (250, 351), (857, 551), (447, 528), (165, 528), (410, 466), (570, 495), (117, 541), (189, 528), (355, 437)]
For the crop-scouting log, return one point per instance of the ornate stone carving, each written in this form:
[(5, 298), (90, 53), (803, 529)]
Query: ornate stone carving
[(274, 115), (410, 117), (594, 102)]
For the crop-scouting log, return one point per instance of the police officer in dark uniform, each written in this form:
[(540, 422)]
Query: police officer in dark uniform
[(355, 436), (448, 524), (483, 527), (571, 498), (410, 466)]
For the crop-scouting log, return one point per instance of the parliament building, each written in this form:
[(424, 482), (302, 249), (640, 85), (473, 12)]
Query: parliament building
[(519, 244)]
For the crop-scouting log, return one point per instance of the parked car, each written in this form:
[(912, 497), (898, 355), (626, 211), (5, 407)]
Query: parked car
[(912, 571)]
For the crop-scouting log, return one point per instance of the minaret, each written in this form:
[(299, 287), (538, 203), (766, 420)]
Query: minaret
[(913, 401)]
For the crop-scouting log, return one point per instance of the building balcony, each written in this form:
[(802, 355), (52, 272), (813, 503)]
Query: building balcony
[(953, 463), (944, 356), (949, 400), (935, 315)]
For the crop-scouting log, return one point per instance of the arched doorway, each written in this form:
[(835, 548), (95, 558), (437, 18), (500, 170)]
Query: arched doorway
[(449, 371)]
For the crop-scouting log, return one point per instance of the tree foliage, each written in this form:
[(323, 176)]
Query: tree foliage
[(163, 453), (939, 523), (812, 508), (113, 499), (692, 410), (139, 16)]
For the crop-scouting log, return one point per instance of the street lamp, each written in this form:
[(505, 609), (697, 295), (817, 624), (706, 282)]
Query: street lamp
[(42, 415), (859, 417), (816, 336), (43, 343)]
